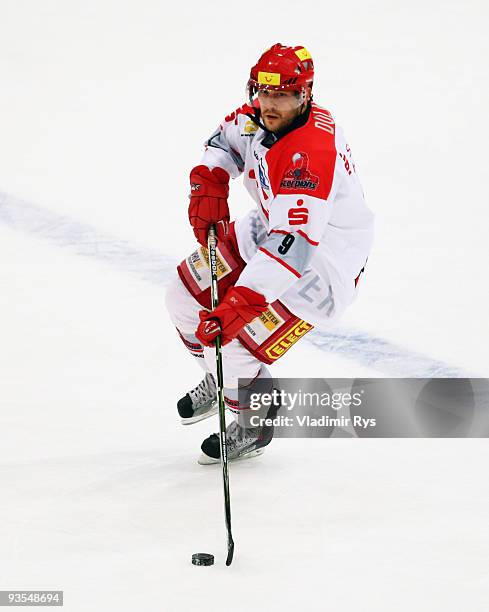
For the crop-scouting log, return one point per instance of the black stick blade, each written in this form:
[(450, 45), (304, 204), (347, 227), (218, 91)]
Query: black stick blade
[(229, 560)]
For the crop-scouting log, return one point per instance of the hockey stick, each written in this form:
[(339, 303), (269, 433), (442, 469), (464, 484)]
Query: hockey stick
[(212, 245)]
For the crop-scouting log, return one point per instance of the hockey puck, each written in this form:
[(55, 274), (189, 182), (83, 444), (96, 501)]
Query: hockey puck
[(202, 559)]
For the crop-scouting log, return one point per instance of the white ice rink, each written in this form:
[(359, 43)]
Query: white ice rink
[(103, 110)]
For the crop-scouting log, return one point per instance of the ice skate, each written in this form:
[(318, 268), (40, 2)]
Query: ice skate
[(199, 403), (242, 443)]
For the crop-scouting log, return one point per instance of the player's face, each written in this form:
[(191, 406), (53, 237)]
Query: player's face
[(279, 108)]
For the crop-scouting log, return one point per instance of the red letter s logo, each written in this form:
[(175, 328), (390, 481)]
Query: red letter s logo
[(298, 216)]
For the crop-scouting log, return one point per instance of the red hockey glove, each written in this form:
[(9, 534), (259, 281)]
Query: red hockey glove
[(208, 201), (239, 307)]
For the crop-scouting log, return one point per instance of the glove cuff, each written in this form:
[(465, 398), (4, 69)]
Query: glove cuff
[(207, 176)]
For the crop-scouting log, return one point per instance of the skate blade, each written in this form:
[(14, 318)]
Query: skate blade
[(206, 460), (201, 417)]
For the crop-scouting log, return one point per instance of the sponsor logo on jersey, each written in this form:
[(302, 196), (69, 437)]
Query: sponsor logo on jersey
[(195, 260), (249, 129), (194, 263), (282, 344), (270, 319), (298, 176)]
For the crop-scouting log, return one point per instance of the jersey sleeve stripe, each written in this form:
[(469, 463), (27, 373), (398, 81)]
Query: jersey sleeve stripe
[(282, 262), (304, 235)]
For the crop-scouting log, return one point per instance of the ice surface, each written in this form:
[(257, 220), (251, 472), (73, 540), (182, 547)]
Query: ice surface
[(103, 110)]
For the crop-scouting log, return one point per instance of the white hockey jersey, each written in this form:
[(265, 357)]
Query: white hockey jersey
[(308, 239)]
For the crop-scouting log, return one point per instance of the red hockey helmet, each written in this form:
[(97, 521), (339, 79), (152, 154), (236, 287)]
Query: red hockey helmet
[(282, 68)]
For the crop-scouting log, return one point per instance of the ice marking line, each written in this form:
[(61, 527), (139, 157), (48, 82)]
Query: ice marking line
[(84, 239), (155, 267), (382, 355)]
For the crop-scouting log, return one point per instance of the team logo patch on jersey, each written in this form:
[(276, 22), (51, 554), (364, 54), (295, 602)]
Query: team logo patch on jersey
[(298, 175)]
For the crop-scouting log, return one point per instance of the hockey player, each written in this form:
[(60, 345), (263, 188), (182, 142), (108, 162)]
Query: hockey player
[(293, 262)]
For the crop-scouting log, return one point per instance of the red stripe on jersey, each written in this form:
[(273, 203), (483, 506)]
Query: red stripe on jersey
[(281, 261), (264, 211), (300, 232), (304, 235), (242, 110)]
